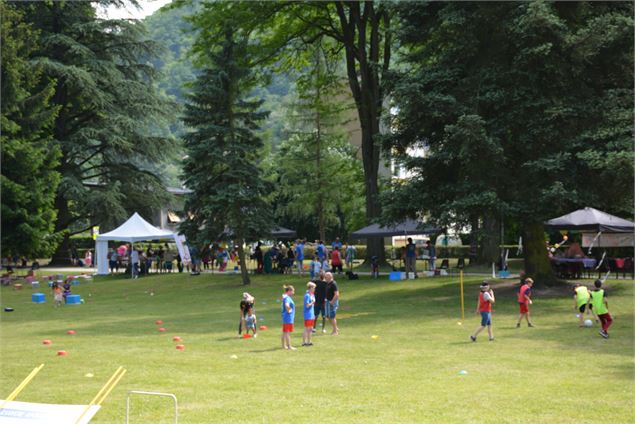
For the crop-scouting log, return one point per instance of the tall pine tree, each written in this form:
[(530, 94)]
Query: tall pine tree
[(29, 158), (109, 114), (222, 167)]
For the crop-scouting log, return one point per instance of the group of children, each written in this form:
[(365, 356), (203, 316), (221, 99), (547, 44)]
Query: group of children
[(248, 319), (593, 302), (321, 297), (320, 261), (60, 293), (585, 300)]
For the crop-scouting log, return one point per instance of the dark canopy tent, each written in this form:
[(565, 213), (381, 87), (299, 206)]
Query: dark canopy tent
[(407, 228), (276, 233), (283, 233), (590, 219)]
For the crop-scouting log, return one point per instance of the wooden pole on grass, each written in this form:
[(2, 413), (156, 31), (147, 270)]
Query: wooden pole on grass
[(462, 302)]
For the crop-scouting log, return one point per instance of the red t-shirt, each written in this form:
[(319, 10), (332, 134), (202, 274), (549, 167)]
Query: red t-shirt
[(484, 305), (524, 290), (335, 257)]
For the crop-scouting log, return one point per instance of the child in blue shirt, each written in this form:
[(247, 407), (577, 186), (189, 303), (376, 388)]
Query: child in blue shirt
[(309, 313), (288, 317), (315, 267), (250, 322)]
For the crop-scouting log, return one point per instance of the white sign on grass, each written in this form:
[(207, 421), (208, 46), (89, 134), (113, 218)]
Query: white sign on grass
[(15, 412)]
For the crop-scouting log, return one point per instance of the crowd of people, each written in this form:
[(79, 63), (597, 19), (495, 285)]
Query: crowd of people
[(138, 261), (285, 258), (321, 298), (585, 301)]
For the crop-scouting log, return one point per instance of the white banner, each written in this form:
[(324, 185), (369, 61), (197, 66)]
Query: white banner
[(15, 412), (609, 240), (184, 251)]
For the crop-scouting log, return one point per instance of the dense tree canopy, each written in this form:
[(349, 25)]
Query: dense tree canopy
[(29, 157), (525, 109), (106, 127), (318, 175), (222, 168), (361, 34)]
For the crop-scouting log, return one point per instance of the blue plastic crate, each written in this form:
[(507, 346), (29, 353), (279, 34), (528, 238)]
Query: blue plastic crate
[(396, 276), (38, 298), (73, 299), (75, 282)]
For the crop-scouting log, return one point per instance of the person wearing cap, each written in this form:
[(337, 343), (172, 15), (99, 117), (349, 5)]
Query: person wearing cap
[(524, 300), (246, 304), (484, 307)]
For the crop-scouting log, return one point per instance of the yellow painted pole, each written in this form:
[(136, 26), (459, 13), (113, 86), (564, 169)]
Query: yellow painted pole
[(462, 302), (22, 385), (105, 390), (112, 386)]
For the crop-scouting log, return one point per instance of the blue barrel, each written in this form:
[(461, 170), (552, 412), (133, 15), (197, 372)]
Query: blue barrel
[(73, 299), (38, 298)]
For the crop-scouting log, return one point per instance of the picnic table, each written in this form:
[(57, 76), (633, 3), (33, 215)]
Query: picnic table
[(572, 267)]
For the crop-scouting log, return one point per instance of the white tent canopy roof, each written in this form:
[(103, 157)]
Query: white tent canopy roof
[(136, 229)]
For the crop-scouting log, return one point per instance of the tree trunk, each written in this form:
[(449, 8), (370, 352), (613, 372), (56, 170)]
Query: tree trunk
[(364, 61), (474, 236), (244, 272), (537, 264), (62, 256), (318, 165), (490, 252)]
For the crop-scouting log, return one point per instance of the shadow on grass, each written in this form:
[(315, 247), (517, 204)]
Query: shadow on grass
[(271, 349)]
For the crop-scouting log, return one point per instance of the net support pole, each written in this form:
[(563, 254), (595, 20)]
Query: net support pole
[(462, 301), (137, 392)]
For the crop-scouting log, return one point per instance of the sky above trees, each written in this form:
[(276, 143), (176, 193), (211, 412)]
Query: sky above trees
[(147, 8)]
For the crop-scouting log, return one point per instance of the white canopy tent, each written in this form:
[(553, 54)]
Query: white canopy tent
[(135, 229)]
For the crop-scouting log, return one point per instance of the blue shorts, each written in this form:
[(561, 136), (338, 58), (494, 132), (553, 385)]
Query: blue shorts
[(486, 319), (331, 310)]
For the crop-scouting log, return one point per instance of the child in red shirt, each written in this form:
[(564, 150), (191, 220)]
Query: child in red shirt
[(484, 307), (524, 300)]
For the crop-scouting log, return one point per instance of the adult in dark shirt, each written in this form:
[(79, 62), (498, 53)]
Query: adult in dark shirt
[(411, 258), (432, 255), (246, 304), (259, 259), (332, 301), (320, 299), (290, 260)]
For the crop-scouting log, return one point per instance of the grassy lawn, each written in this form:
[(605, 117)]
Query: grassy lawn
[(554, 373)]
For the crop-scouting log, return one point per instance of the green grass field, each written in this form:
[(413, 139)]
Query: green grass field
[(554, 373)]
